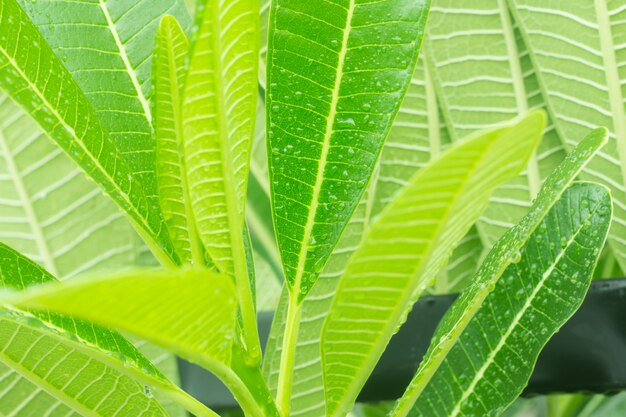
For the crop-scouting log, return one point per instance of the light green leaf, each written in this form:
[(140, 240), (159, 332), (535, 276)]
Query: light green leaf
[(484, 77), (34, 77), (461, 266), (575, 46), (504, 253), (218, 116), (219, 108), (492, 359), (171, 50), (407, 246), (107, 47), (85, 348), (198, 324), (330, 106)]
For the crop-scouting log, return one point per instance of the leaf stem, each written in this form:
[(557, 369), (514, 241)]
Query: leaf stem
[(288, 355)]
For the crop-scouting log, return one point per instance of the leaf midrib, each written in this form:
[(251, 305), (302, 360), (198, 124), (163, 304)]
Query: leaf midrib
[(319, 179), (27, 206), (145, 105), (490, 359)]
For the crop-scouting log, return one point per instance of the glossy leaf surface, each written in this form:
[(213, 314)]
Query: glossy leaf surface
[(504, 253), (35, 78), (335, 78), (407, 246), (492, 359), (107, 47)]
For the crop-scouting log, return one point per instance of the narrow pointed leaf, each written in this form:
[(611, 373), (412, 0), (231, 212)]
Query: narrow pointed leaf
[(171, 50), (576, 47), (505, 251), (66, 353), (406, 247), (35, 78), (218, 115), (336, 77), (107, 47), (492, 359)]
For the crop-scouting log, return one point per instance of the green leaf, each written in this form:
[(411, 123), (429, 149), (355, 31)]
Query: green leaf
[(218, 115), (406, 247), (171, 50), (65, 354), (330, 106), (483, 77), (506, 250), (107, 47), (575, 46), (35, 78), (492, 359)]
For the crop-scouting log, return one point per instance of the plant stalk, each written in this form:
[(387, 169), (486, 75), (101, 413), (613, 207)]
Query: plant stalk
[(288, 355)]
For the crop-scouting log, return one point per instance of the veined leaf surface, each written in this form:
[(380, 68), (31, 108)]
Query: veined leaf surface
[(52, 214), (493, 357), (406, 247), (171, 50), (576, 47), (107, 47), (65, 354), (35, 78), (504, 253), (336, 76), (48, 210), (218, 114), (484, 77)]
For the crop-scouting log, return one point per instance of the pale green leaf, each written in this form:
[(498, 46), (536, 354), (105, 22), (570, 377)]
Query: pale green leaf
[(506, 250), (336, 77), (406, 247), (492, 359), (258, 208), (87, 349), (218, 115), (171, 50), (575, 46), (484, 77), (107, 47), (48, 210), (35, 78)]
